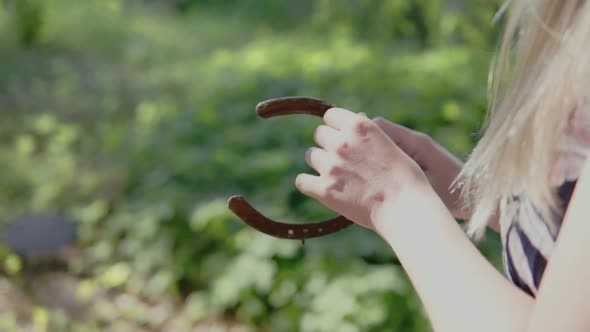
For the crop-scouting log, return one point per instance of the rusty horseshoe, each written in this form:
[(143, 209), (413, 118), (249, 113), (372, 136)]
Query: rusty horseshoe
[(245, 211)]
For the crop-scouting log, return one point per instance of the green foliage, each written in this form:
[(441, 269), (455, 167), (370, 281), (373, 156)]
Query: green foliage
[(138, 121), (28, 18)]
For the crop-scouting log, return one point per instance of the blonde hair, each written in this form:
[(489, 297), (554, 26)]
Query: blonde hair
[(541, 67)]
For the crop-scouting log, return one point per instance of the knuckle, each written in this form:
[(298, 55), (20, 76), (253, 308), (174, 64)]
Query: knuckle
[(327, 193), (422, 138), (342, 149), (335, 170), (335, 187), (363, 126)]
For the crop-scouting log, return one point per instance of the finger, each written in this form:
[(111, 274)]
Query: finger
[(317, 159), (327, 137), (308, 184), (398, 133), (339, 118), (393, 130)]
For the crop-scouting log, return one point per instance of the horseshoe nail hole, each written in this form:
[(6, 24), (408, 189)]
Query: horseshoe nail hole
[(290, 232), (305, 230), (320, 229)]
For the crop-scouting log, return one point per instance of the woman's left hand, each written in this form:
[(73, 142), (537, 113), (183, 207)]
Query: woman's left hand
[(360, 168)]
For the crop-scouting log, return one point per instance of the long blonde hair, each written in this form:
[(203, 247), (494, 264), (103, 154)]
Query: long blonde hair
[(541, 67)]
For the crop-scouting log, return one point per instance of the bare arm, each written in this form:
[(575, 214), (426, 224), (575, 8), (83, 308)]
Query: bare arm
[(564, 296), (463, 293), (459, 288), (364, 176)]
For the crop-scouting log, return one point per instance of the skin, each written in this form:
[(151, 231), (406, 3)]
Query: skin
[(439, 166), (367, 175)]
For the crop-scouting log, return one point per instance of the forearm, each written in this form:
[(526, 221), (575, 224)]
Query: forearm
[(441, 181), (441, 168), (459, 288)]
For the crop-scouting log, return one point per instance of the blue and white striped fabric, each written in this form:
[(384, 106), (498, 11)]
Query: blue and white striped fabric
[(528, 244)]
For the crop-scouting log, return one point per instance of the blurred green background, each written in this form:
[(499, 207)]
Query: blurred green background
[(136, 119)]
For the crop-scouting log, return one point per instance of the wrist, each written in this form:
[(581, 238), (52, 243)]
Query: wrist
[(413, 205)]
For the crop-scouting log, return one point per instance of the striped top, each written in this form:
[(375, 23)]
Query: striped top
[(528, 244), (527, 241)]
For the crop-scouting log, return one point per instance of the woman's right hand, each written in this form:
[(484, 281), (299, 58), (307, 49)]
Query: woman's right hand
[(438, 164)]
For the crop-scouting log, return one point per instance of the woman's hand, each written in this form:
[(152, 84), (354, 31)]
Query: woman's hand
[(439, 166), (360, 168), (368, 178)]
